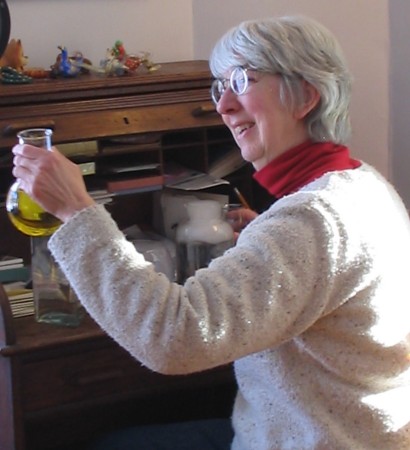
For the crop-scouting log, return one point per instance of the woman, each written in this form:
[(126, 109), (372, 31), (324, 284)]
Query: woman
[(312, 304)]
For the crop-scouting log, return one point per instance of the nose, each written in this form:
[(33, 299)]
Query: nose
[(228, 103)]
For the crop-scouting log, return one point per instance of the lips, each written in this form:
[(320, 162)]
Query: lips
[(239, 129)]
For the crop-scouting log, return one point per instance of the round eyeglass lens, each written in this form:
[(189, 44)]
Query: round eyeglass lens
[(217, 89), (239, 80)]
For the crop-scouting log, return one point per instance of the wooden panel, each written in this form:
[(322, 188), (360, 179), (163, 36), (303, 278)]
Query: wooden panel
[(119, 122), (80, 378), (178, 76), (90, 376)]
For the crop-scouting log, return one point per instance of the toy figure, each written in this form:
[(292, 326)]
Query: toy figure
[(119, 50), (111, 65), (14, 56), (8, 75), (69, 65)]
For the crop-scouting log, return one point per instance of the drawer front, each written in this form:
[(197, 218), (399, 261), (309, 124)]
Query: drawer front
[(99, 376), (85, 377), (72, 126)]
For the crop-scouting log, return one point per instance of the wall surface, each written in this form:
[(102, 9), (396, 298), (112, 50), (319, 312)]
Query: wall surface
[(400, 96), (163, 28), (362, 27), (186, 29)]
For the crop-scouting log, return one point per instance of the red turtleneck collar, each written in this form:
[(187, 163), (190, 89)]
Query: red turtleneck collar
[(302, 164)]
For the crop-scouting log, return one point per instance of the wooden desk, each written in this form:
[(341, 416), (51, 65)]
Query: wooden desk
[(60, 386)]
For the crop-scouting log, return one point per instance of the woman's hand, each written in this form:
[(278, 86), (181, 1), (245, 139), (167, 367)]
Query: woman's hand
[(239, 218), (51, 179)]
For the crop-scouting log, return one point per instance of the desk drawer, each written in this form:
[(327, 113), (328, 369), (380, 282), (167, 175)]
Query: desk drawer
[(85, 377), (100, 376)]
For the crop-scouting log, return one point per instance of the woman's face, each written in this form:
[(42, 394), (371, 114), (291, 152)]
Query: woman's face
[(262, 126)]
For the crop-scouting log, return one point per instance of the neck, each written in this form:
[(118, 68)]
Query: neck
[(302, 164)]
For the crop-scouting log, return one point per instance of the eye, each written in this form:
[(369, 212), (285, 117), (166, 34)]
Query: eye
[(239, 80)]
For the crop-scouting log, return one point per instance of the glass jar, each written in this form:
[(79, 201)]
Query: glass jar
[(201, 238), (55, 301)]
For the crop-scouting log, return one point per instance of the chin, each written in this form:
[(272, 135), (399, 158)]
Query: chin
[(249, 157)]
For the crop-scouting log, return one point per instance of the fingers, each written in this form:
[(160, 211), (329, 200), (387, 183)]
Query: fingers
[(238, 216), (248, 215), (27, 151)]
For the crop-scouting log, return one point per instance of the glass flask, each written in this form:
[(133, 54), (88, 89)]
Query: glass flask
[(54, 299), (203, 237), (25, 214)]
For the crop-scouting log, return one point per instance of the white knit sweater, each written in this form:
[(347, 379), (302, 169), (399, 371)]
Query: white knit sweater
[(312, 304)]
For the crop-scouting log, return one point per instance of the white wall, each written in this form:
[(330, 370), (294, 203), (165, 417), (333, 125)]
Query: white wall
[(186, 29), (162, 27), (362, 28), (400, 96)]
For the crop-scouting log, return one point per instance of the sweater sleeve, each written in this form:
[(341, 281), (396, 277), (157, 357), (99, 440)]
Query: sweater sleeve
[(267, 289)]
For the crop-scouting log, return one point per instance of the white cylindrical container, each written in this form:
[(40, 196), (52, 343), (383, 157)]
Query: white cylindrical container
[(203, 237)]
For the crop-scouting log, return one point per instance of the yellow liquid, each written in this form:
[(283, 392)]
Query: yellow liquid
[(27, 216)]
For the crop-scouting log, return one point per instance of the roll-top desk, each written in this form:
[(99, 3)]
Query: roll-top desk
[(59, 385)]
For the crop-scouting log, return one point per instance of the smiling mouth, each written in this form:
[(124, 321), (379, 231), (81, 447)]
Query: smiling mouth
[(242, 128)]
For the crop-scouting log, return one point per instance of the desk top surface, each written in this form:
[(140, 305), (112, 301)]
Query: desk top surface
[(31, 335)]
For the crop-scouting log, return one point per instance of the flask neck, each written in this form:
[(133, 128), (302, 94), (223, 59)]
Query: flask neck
[(204, 210), (38, 137)]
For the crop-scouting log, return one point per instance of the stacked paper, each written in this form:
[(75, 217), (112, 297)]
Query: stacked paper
[(14, 276)]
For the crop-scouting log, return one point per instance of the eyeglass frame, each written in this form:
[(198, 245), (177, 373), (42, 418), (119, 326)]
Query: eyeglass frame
[(224, 83)]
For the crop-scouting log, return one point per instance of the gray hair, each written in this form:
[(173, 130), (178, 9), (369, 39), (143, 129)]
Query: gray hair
[(296, 48)]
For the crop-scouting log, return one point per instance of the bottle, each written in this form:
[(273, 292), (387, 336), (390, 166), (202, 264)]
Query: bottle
[(25, 214), (203, 237)]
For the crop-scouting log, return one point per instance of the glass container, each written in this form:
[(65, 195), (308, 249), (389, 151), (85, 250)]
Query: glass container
[(203, 237), (55, 302), (25, 214)]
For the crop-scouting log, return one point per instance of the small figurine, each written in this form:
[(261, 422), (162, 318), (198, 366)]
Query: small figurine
[(129, 62), (69, 65), (145, 60), (66, 66), (9, 75), (14, 56), (119, 51), (117, 62), (111, 65)]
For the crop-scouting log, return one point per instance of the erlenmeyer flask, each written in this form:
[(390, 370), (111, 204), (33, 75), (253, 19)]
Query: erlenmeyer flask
[(25, 214)]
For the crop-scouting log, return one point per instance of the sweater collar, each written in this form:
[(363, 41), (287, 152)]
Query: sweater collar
[(302, 164)]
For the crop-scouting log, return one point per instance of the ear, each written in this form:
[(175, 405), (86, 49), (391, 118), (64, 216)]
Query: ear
[(311, 98)]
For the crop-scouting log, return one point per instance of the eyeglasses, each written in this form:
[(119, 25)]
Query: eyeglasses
[(238, 82)]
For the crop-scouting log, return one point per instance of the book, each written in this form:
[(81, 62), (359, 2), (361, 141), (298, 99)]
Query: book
[(8, 275), (89, 148), (227, 163), (101, 196), (122, 185), (22, 306), (185, 179), (21, 299), (11, 261), (11, 266), (15, 288)]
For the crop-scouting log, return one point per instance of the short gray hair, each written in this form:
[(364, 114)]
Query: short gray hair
[(296, 48)]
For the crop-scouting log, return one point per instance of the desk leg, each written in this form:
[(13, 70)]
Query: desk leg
[(11, 430)]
